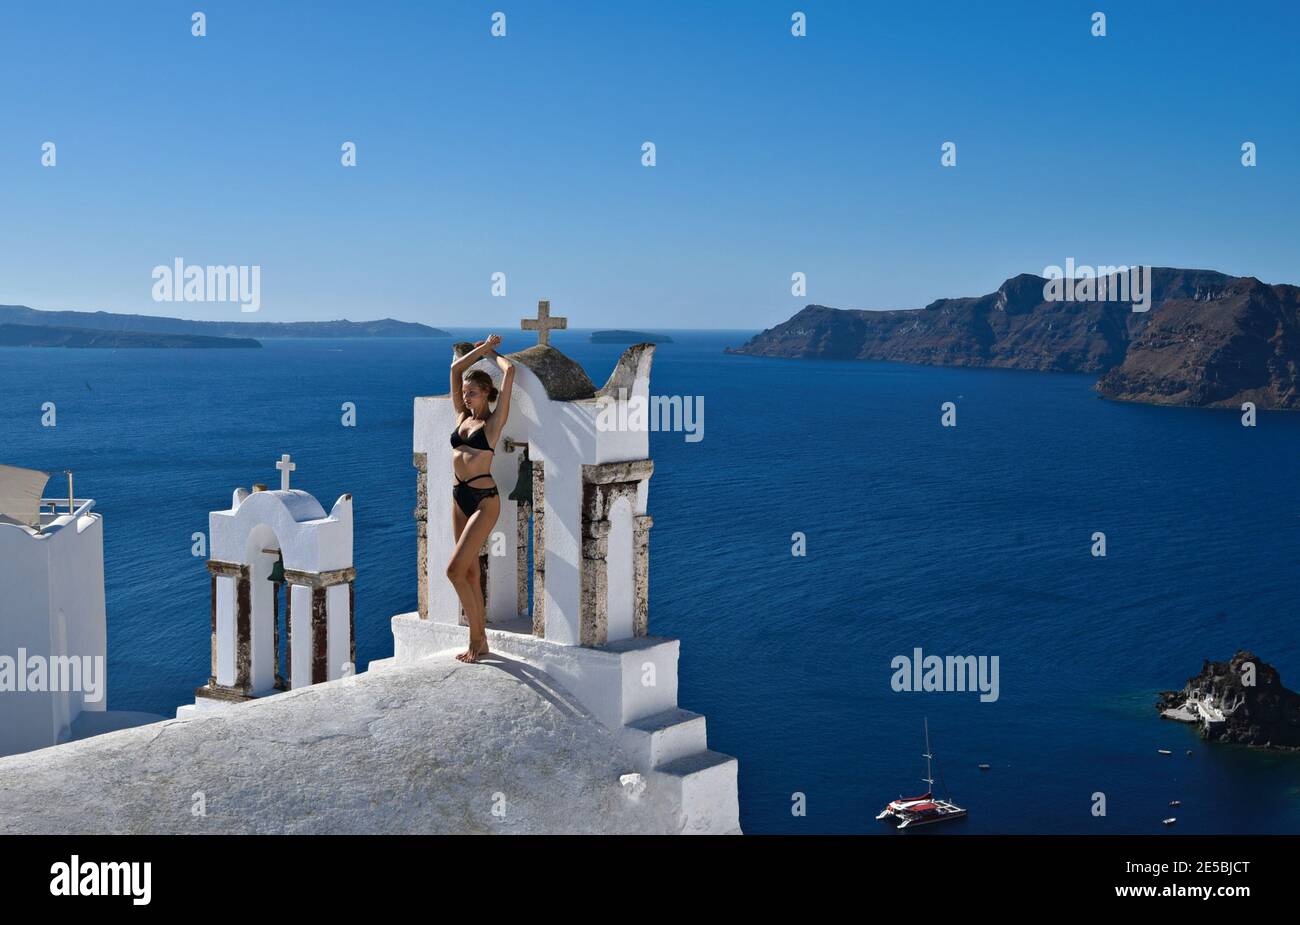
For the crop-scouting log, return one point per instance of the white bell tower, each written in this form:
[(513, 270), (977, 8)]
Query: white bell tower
[(268, 545), (566, 570)]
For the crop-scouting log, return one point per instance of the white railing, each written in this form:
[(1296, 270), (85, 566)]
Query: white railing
[(74, 506)]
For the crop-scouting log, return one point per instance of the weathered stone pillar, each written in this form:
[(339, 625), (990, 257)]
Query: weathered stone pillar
[(421, 463), (319, 637), (602, 485), (595, 583), (275, 632), (523, 513), (318, 620), (539, 548), (641, 525), (243, 643), (244, 634), (288, 636), (352, 625)]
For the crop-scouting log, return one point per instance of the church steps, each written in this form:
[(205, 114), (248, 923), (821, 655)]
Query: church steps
[(620, 683), (665, 737), (705, 784), (662, 739)]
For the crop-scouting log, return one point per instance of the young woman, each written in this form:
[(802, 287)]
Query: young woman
[(477, 504)]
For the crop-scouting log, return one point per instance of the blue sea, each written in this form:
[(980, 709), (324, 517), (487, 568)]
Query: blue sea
[(969, 540)]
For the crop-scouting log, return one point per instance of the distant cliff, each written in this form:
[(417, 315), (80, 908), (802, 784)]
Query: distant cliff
[(1208, 339), (35, 335), (109, 321)]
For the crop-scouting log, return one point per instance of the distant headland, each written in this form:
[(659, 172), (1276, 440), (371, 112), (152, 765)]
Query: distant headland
[(1207, 339), (628, 337), (41, 335), (30, 327)]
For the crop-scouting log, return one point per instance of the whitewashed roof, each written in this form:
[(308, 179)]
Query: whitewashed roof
[(432, 747), (20, 495)]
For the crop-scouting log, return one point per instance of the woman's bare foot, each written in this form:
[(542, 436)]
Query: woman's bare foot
[(473, 653)]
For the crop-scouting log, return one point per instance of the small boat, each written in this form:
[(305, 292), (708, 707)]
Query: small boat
[(1170, 821), (1164, 751), (924, 809), (984, 767), (1175, 802)]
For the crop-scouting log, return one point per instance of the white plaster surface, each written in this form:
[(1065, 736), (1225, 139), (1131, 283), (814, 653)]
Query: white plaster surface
[(300, 615), (417, 748), (619, 683), (51, 605), (621, 600), (310, 540)]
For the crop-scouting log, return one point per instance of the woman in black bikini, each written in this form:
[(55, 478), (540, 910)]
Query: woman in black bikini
[(477, 430)]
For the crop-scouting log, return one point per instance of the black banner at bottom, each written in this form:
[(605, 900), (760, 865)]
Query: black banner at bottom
[(334, 873)]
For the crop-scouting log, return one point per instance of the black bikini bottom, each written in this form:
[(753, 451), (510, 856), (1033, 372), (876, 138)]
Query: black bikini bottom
[(467, 497)]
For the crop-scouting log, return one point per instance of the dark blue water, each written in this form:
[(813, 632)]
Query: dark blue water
[(967, 540)]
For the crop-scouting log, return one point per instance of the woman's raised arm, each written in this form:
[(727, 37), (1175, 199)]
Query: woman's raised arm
[(462, 363), (502, 411)]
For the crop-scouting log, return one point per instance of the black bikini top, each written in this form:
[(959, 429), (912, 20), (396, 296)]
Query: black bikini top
[(478, 439)]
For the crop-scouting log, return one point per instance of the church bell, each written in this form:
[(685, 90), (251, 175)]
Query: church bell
[(523, 490), (277, 572)]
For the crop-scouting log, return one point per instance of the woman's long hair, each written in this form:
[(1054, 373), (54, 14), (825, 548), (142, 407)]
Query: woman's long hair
[(483, 380)]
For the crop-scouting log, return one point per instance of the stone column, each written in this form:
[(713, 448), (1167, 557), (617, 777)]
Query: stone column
[(319, 637), (602, 484), (641, 524), (523, 511), (594, 610), (212, 678), (421, 463), (243, 642), (275, 633), (318, 643), (288, 636), (539, 548)]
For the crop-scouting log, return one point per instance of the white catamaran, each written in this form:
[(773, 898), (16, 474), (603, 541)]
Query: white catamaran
[(925, 809)]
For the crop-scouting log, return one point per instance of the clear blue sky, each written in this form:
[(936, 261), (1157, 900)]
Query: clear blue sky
[(522, 154)]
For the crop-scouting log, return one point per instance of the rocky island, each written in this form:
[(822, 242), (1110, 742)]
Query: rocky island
[(1208, 339), (628, 337), (1241, 701), (110, 329)]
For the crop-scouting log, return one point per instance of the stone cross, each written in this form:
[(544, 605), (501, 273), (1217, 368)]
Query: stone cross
[(543, 323), (285, 468)]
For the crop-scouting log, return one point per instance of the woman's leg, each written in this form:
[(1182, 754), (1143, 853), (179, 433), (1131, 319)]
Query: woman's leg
[(463, 571), (456, 573)]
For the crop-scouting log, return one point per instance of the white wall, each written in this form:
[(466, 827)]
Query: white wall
[(226, 630), (620, 578), (300, 614), (338, 652), (42, 576), (311, 540)]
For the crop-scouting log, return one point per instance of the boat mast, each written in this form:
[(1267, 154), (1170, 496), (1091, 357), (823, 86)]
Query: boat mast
[(929, 775)]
